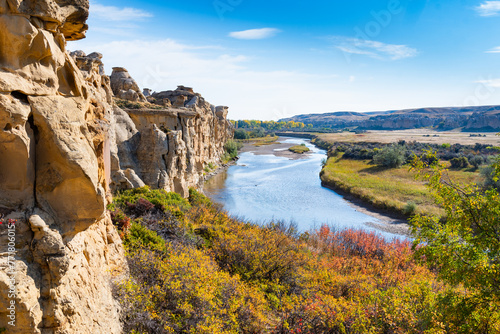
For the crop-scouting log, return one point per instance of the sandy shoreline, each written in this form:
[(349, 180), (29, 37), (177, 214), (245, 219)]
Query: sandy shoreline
[(278, 149)]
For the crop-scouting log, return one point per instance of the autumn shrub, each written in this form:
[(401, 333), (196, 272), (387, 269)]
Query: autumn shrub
[(161, 199), (184, 291), (208, 272), (257, 255), (140, 207), (120, 220)]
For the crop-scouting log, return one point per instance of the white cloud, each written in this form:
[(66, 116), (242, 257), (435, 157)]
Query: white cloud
[(112, 13), (494, 50), (225, 77), (489, 8), (221, 77), (494, 83), (254, 33), (373, 49)]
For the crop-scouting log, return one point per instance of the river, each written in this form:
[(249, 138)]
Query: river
[(271, 183)]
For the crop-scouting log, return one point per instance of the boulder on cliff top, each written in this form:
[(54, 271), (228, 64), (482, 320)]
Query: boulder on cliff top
[(124, 86)]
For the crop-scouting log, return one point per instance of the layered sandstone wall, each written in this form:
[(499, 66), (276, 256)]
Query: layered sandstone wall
[(53, 175), (63, 142), (168, 142)]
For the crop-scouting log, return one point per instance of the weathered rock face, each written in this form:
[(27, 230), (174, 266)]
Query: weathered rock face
[(124, 86), (53, 174), (165, 146)]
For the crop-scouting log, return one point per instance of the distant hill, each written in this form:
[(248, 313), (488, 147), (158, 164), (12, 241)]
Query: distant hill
[(482, 118)]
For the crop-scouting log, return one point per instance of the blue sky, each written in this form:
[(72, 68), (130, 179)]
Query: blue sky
[(273, 59)]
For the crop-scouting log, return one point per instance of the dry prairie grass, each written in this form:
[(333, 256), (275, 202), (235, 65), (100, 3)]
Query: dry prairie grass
[(419, 135)]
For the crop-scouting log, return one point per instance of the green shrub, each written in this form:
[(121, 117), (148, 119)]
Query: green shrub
[(241, 134), (141, 237), (232, 148), (460, 162), (160, 198), (410, 208), (300, 149), (465, 250), (197, 199), (490, 178), (477, 161), (391, 156)]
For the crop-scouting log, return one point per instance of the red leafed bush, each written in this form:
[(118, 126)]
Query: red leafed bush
[(140, 208)]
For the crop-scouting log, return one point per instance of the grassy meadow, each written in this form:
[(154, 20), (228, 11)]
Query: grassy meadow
[(352, 168), (393, 189), (427, 136), (261, 141)]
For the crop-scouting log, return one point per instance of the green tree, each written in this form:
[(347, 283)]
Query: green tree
[(465, 246), (460, 162), (391, 156), (241, 134), (477, 161)]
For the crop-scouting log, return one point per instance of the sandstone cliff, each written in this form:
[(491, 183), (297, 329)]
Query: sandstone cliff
[(53, 175), (168, 142)]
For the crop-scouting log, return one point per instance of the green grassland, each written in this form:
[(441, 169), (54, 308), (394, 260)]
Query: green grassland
[(393, 189)]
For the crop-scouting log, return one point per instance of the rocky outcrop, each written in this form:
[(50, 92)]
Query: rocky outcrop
[(54, 175), (167, 144), (124, 86)]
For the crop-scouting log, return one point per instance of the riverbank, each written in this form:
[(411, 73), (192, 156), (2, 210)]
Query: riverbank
[(393, 191), (391, 219), (277, 148), (381, 220), (351, 171)]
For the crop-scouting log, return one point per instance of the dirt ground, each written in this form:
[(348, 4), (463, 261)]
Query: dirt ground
[(419, 135), (277, 148)]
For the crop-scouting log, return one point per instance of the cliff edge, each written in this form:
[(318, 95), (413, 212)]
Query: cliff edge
[(167, 141), (58, 256)]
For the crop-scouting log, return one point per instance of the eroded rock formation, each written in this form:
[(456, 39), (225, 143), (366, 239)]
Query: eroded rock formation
[(167, 144), (54, 174), (124, 86)]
